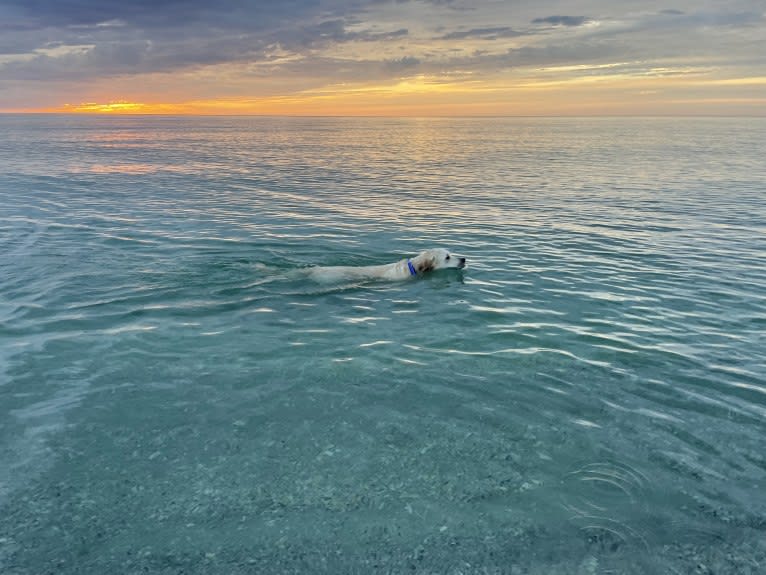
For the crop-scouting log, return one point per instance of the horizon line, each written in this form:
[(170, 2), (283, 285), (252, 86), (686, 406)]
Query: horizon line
[(414, 116)]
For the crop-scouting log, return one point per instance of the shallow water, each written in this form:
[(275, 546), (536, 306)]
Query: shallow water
[(587, 396)]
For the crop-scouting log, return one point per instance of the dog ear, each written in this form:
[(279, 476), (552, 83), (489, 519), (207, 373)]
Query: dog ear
[(426, 264)]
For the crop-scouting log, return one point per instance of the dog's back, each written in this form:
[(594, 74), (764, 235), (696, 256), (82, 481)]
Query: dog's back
[(342, 273)]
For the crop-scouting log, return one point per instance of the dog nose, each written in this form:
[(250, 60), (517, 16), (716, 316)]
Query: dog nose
[(462, 262)]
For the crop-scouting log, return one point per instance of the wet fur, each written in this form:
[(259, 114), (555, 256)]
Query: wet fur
[(424, 262)]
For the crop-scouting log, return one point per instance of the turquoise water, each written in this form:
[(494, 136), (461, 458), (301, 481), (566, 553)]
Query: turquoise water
[(587, 396)]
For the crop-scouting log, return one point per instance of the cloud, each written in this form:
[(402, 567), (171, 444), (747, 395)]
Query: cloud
[(45, 44), (483, 33), (144, 37), (153, 14), (562, 20), (404, 63)]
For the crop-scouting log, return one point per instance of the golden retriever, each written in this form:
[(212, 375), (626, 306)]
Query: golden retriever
[(422, 263)]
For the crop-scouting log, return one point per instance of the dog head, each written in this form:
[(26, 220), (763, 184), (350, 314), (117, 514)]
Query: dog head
[(436, 259)]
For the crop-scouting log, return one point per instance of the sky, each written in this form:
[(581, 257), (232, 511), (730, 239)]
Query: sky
[(384, 57)]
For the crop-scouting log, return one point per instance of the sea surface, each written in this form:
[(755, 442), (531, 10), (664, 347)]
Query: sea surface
[(587, 397)]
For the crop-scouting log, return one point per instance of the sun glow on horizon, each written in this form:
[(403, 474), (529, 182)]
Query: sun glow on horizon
[(337, 99), (576, 90), (114, 107)]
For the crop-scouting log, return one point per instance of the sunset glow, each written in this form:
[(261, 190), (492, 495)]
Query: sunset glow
[(420, 57), (120, 107)]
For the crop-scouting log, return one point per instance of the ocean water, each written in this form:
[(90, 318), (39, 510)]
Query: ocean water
[(588, 396)]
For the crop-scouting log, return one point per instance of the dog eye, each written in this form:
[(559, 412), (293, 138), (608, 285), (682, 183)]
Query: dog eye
[(447, 257)]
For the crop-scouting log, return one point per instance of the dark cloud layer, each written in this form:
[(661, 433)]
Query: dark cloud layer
[(561, 20), (161, 14), (492, 33), (147, 36)]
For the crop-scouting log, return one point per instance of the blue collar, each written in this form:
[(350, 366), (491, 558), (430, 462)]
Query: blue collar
[(412, 268)]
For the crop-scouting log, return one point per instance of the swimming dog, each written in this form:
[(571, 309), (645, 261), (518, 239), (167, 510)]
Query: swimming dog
[(418, 265)]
